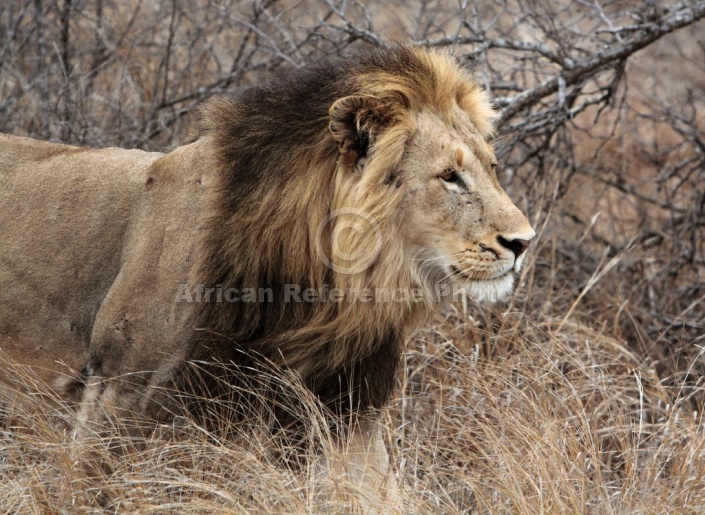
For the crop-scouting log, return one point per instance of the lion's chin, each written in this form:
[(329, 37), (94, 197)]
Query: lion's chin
[(492, 290)]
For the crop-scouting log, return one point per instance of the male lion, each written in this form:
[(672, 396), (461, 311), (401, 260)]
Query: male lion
[(309, 225)]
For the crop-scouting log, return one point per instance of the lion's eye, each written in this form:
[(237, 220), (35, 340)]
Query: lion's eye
[(450, 176)]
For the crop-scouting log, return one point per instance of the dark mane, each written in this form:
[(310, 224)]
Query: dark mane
[(278, 164)]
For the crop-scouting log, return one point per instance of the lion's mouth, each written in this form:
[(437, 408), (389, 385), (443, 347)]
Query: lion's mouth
[(490, 289), (457, 272)]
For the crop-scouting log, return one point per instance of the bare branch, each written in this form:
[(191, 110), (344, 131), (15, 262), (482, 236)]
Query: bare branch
[(678, 17)]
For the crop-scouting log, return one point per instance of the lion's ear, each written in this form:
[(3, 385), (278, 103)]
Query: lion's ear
[(355, 121)]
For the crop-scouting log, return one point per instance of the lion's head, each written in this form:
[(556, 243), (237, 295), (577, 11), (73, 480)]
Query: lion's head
[(415, 162)]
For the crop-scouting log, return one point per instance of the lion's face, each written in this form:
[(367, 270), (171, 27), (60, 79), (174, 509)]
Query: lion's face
[(415, 159), (458, 219)]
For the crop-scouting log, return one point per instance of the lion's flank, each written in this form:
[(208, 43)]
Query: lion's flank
[(288, 151)]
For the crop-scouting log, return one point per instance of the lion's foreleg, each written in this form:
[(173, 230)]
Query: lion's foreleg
[(106, 418), (104, 437), (362, 461)]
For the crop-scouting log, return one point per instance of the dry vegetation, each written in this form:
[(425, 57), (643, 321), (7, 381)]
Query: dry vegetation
[(584, 394)]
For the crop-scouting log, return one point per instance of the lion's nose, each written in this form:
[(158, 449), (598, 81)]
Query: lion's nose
[(518, 246)]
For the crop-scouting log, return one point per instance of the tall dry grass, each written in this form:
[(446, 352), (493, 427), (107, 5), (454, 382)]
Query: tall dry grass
[(583, 394)]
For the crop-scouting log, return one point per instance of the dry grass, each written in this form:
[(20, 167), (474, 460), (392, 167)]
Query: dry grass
[(523, 408), (584, 394)]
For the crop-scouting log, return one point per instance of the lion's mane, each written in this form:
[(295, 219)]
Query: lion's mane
[(281, 172)]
